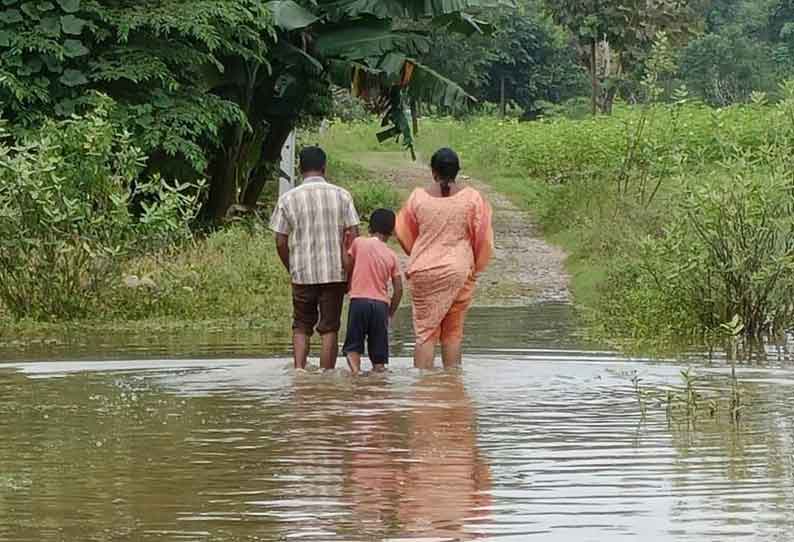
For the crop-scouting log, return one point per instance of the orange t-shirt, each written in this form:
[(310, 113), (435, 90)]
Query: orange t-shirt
[(375, 265)]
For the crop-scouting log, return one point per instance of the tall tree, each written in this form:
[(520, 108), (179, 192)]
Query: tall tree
[(623, 32), (748, 46), (528, 56)]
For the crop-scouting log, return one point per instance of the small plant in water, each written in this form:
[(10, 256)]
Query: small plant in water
[(733, 331), (691, 401), (641, 394)]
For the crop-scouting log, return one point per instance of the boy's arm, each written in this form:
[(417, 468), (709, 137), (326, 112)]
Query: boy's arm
[(397, 294)]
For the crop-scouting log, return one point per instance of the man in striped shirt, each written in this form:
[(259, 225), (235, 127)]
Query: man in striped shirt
[(310, 222)]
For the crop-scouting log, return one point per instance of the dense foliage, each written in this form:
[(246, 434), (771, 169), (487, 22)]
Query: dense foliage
[(545, 51), (528, 62), (213, 88), (67, 194), (747, 46)]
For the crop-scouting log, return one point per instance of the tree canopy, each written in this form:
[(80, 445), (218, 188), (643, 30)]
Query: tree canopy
[(213, 87)]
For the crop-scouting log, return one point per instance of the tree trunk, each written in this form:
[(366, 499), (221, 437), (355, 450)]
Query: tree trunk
[(609, 100), (223, 188), (502, 97), (271, 154), (594, 76), (414, 116)]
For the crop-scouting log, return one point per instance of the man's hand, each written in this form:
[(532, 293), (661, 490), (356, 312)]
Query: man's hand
[(348, 238)]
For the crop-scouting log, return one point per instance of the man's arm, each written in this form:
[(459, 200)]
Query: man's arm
[(348, 260), (397, 294), (350, 233), (351, 219), (282, 246)]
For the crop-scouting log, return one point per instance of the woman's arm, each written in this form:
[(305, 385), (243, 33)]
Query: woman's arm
[(482, 238), (407, 228)]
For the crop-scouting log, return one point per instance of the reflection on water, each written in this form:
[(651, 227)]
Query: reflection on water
[(535, 439)]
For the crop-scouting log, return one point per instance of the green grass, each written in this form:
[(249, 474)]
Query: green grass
[(368, 191), (231, 279)]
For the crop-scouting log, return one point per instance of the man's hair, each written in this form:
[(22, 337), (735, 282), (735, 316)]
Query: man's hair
[(312, 159), (382, 222)]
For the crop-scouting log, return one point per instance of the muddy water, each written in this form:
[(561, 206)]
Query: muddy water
[(539, 438)]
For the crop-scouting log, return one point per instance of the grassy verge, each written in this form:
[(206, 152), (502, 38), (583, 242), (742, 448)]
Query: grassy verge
[(230, 279)]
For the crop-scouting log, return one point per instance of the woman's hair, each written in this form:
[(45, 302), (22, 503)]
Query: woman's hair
[(446, 165)]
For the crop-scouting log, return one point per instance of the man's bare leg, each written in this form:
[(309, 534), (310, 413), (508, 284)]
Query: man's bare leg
[(330, 350), (354, 362), (424, 355), (300, 348), (452, 354)]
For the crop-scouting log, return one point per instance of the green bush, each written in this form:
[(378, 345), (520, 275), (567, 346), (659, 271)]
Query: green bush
[(66, 226), (232, 274), (369, 193), (557, 150), (728, 251), (348, 108)]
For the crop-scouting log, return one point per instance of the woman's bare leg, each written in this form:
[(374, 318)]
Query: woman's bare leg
[(452, 354), (424, 355)]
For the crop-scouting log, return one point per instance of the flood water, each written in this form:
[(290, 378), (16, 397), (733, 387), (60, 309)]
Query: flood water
[(539, 437)]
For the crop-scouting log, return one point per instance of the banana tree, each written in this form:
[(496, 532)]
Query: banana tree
[(368, 46)]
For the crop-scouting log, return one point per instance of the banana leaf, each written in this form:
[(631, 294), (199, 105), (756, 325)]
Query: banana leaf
[(357, 41), (404, 9), (429, 86), (289, 16)]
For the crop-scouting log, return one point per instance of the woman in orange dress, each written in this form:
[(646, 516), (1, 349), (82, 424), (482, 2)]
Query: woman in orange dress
[(446, 230)]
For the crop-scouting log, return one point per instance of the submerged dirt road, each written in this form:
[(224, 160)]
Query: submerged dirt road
[(526, 269)]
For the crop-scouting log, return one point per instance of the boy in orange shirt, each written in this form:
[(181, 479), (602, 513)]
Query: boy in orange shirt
[(371, 264)]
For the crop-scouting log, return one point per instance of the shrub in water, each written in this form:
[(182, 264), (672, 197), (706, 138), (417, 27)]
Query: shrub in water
[(66, 227), (728, 251)]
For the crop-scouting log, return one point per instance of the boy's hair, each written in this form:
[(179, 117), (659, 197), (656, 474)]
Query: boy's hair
[(382, 222), (312, 159)]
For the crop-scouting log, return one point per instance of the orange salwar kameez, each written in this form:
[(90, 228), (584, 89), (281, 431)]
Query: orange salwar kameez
[(450, 241)]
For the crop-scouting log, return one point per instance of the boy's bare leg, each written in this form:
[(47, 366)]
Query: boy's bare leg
[(424, 355), (379, 367), (330, 350), (452, 354), (300, 348), (354, 362)]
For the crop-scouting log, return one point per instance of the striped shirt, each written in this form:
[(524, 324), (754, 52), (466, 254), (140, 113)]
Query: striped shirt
[(314, 216)]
